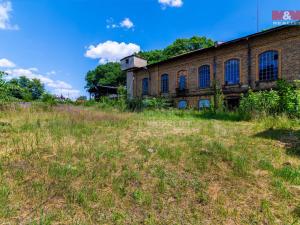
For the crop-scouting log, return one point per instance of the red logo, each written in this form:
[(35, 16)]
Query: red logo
[(286, 15)]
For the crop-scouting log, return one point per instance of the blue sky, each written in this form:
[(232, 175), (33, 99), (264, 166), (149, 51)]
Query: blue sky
[(58, 41)]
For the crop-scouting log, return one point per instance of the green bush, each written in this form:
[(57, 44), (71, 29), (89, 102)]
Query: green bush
[(140, 104), (49, 99), (288, 102), (156, 103), (135, 104), (284, 100), (263, 102)]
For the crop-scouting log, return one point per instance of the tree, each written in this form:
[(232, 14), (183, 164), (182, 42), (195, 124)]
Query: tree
[(25, 89), (178, 47), (109, 74), (37, 89), (1, 78), (153, 56), (3, 87)]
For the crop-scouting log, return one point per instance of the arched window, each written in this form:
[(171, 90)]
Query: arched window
[(204, 103), (145, 86), (182, 104), (165, 83), (232, 71), (204, 76), (182, 82), (268, 66)]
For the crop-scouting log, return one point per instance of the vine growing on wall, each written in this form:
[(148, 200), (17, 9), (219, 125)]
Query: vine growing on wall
[(218, 104)]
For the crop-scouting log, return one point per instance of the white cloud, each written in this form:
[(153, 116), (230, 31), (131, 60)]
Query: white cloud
[(5, 63), (56, 87), (127, 23), (111, 51), (33, 69), (52, 72), (171, 3), (60, 85), (5, 10)]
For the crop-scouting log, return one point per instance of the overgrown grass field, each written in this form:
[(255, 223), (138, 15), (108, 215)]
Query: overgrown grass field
[(73, 165)]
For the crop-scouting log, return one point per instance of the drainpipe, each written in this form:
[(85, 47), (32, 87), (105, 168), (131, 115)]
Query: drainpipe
[(149, 79), (215, 68), (215, 81), (249, 64)]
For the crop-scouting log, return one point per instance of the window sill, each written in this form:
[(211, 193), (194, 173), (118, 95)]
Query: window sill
[(266, 81), (232, 85), (205, 89)]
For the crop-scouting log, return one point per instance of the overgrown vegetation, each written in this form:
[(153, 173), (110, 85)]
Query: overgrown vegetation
[(283, 100), (62, 163), (76, 165), (178, 47), (22, 89)]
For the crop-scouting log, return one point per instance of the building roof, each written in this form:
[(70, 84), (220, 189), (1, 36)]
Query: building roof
[(135, 54), (223, 44), (96, 88)]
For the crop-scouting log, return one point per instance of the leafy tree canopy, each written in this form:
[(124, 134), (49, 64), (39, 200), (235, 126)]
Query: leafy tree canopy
[(21, 88), (110, 74), (178, 47)]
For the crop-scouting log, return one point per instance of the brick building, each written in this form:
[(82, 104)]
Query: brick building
[(252, 62)]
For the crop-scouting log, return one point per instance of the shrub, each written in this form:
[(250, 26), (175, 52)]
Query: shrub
[(140, 104), (288, 101), (263, 102), (89, 103), (135, 104), (49, 99), (218, 103), (156, 103), (285, 99)]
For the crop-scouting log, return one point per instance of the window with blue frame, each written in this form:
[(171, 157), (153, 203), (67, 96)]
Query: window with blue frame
[(232, 71), (204, 76), (204, 103), (165, 83), (182, 82), (268, 66), (182, 104), (145, 86)]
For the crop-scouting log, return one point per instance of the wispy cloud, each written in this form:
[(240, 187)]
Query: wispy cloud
[(5, 63), (171, 3), (111, 51), (5, 16), (52, 72), (125, 23)]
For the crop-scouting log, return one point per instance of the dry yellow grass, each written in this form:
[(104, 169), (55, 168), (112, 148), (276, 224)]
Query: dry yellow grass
[(70, 165)]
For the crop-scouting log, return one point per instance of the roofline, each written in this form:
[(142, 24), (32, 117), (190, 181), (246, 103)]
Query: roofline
[(131, 56), (223, 44), (102, 86)]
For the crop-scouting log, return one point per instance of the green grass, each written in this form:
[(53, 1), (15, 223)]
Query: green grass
[(74, 165)]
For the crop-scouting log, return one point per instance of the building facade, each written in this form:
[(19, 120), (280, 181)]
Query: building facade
[(252, 62)]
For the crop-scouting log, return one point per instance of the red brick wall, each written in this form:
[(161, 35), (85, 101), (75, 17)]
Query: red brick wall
[(286, 41)]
